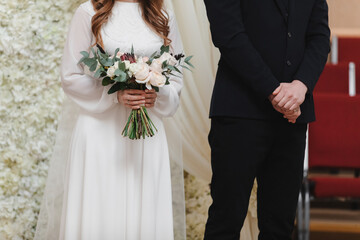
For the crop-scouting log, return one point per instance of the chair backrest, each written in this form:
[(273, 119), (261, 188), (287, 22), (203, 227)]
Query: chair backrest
[(346, 49), (349, 49), (334, 139), (334, 79)]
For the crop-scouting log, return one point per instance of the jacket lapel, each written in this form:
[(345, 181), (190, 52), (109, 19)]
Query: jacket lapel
[(282, 8)]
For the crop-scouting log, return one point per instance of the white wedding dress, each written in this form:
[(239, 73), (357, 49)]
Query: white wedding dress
[(115, 188)]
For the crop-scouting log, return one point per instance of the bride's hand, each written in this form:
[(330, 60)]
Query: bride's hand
[(150, 98), (132, 98)]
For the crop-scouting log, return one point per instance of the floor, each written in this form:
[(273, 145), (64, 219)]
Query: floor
[(334, 224)]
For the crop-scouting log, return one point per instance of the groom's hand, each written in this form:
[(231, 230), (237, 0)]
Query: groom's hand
[(289, 96), (290, 115), (293, 115)]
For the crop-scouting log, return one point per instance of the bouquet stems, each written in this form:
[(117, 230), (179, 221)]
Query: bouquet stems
[(139, 125)]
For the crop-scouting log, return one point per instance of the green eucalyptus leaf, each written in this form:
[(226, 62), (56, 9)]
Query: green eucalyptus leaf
[(176, 69), (116, 87), (93, 66), (117, 72), (104, 55), (122, 66), (108, 63), (98, 73), (156, 88), (85, 54), (172, 68), (122, 77), (187, 59), (106, 81), (89, 61), (116, 52), (82, 60), (153, 55), (188, 63), (164, 49)]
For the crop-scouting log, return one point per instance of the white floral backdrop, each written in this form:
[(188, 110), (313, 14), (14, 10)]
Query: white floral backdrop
[(32, 34)]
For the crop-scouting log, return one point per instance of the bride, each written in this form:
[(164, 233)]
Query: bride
[(113, 187)]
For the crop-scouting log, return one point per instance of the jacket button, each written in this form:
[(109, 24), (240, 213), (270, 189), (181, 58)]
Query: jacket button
[(288, 63), (289, 34)]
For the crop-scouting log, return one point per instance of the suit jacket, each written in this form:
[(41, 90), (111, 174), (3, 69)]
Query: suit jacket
[(263, 43)]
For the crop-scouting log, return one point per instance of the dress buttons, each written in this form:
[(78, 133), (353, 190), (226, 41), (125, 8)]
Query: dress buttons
[(288, 63), (289, 34)]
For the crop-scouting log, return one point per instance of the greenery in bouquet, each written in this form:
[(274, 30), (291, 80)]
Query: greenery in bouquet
[(128, 71)]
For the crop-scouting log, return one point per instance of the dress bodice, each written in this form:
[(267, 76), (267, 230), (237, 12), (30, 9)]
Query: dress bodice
[(126, 28)]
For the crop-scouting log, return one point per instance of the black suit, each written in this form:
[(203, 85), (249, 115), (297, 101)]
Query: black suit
[(262, 43)]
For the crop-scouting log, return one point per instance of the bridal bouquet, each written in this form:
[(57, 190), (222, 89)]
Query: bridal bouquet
[(128, 71)]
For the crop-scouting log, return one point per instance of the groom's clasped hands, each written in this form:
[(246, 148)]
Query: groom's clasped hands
[(287, 99)]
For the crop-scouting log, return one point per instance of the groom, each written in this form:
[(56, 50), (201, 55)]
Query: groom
[(272, 54)]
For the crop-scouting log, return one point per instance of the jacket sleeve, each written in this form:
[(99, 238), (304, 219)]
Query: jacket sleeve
[(229, 35), (168, 98), (83, 89), (317, 46)]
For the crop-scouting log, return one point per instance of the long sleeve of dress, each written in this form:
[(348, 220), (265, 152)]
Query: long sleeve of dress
[(169, 96), (83, 89)]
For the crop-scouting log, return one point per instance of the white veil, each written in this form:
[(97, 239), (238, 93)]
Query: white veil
[(48, 225)]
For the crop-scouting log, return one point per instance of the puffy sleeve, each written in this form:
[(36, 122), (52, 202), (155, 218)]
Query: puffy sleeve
[(169, 96), (83, 89)]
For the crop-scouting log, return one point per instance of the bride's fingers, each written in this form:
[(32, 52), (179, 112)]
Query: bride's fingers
[(136, 103), (151, 94), (133, 97), (150, 100), (134, 91), (132, 107)]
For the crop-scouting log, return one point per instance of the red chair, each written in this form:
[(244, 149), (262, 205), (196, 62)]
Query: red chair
[(349, 49), (344, 50), (334, 79), (334, 139), (333, 144)]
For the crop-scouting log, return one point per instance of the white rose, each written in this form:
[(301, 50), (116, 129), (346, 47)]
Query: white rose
[(111, 71), (168, 58), (145, 59), (127, 64), (156, 65), (172, 61), (157, 79), (133, 68), (142, 75)]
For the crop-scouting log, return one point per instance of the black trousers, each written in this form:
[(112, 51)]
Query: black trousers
[(245, 149)]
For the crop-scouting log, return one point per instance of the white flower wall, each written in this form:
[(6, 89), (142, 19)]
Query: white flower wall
[(32, 34), (198, 200)]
